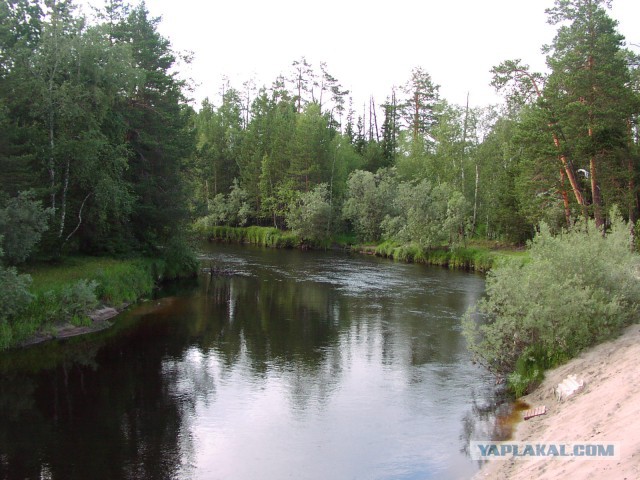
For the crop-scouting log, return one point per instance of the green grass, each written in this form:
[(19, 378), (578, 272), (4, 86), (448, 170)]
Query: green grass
[(67, 291), (481, 257), (263, 236)]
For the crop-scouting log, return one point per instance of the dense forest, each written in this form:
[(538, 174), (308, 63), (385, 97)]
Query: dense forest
[(418, 169), (102, 152)]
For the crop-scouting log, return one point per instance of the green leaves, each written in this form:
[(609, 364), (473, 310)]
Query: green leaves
[(22, 223), (577, 289), (310, 216)]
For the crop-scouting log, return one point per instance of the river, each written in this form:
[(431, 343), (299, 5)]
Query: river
[(287, 364)]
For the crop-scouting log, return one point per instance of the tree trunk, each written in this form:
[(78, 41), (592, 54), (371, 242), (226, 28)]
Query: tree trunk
[(573, 181), (475, 201), (565, 198), (63, 202), (595, 193)]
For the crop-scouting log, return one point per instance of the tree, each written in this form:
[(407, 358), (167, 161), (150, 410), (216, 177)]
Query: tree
[(310, 216), (303, 80), (588, 89), (370, 198), (390, 129), (159, 138), (421, 95), (310, 148), (22, 223), (427, 215)]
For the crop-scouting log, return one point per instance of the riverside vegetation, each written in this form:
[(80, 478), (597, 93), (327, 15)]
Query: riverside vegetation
[(578, 288), (103, 155)]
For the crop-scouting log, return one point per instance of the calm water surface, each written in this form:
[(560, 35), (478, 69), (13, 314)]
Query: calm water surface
[(301, 365)]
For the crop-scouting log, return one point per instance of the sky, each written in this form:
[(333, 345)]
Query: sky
[(368, 45)]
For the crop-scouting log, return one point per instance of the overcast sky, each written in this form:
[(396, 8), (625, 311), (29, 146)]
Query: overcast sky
[(368, 45)]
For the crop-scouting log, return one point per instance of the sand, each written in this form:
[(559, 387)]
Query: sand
[(607, 410)]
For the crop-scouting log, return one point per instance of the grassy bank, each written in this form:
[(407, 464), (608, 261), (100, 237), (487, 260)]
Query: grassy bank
[(66, 292), (479, 257), (261, 236)]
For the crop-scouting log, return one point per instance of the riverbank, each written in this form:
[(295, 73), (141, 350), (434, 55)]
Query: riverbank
[(477, 256), (607, 410), (79, 295)]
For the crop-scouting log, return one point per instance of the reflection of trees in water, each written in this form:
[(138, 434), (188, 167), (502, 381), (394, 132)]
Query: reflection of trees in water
[(306, 331), (99, 411), (278, 328), (122, 405), (485, 420)]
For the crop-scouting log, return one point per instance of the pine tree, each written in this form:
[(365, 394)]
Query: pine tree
[(588, 90)]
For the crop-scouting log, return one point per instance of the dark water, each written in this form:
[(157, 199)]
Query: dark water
[(301, 365)]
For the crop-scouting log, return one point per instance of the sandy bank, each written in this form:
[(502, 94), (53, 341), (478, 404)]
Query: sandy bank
[(606, 411)]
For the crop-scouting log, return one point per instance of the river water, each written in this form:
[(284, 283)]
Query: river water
[(288, 364)]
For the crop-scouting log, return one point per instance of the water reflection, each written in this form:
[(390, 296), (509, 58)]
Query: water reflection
[(301, 365)]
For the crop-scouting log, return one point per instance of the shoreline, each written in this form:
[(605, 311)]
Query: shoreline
[(100, 320), (606, 411), (478, 257)]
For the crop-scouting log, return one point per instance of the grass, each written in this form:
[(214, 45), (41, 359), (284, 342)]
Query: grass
[(67, 291), (481, 256), (263, 236)]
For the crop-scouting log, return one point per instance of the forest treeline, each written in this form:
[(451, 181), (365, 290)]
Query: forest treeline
[(102, 152), (418, 169)]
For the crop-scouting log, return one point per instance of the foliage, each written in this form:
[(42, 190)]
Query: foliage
[(69, 291), (254, 235), (230, 209), (480, 259), (95, 124), (369, 200), (310, 217), (429, 216), (72, 303), (14, 300), (22, 222), (579, 287)]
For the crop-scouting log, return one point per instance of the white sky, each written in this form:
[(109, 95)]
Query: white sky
[(368, 45)]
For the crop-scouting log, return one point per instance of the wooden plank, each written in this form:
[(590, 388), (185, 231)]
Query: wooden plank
[(534, 412)]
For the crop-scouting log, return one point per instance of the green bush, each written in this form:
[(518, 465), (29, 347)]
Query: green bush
[(23, 220), (577, 289), (14, 293), (77, 300), (310, 216)]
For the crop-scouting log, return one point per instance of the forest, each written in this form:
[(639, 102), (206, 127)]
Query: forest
[(103, 153)]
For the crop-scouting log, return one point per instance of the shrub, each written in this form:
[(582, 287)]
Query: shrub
[(22, 222), (310, 216), (369, 200), (577, 289), (77, 300), (14, 293)]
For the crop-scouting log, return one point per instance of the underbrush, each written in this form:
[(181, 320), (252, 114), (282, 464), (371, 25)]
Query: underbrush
[(576, 289), (262, 236), (66, 292), (481, 259)]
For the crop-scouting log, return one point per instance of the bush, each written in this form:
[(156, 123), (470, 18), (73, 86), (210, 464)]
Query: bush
[(22, 222), (428, 215), (370, 198), (77, 300), (577, 289), (310, 216), (14, 293)]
